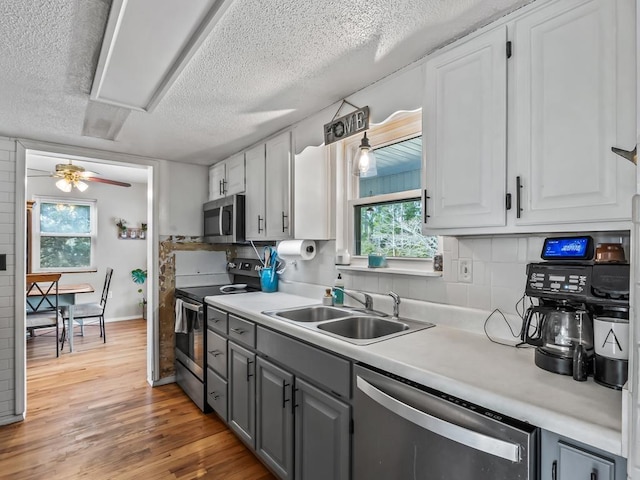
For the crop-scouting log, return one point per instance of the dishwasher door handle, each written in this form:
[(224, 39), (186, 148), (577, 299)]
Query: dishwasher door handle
[(478, 441)]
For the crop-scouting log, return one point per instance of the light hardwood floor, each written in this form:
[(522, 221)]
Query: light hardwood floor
[(91, 414)]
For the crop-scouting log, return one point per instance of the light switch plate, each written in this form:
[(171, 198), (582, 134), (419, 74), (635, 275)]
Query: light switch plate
[(465, 270)]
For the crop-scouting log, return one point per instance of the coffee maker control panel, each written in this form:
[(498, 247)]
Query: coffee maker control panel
[(558, 281)]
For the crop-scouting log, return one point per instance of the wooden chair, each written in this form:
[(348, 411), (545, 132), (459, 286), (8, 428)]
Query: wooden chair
[(83, 311), (42, 304)]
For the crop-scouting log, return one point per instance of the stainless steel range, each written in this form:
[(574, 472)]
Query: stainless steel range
[(191, 320)]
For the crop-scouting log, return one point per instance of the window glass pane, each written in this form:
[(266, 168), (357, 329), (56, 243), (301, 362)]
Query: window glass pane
[(394, 229), (58, 252), (398, 168), (65, 218)]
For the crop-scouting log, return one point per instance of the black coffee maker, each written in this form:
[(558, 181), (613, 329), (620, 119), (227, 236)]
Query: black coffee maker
[(570, 289)]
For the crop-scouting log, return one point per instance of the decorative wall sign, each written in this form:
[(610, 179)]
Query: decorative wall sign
[(347, 125)]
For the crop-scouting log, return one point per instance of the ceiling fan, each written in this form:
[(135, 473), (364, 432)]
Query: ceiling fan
[(74, 176)]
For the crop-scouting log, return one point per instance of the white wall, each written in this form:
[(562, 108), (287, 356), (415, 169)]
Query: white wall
[(121, 255)]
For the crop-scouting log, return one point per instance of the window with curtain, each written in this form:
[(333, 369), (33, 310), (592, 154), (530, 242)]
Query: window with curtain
[(64, 234)]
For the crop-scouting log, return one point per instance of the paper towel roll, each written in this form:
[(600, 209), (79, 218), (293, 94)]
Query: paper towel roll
[(297, 249)]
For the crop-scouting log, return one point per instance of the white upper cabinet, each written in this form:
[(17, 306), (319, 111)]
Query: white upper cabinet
[(315, 194), (560, 102), (566, 93), (278, 187), (268, 195), (227, 177), (255, 211), (464, 125)]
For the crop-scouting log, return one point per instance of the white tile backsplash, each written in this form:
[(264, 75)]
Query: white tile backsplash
[(504, 250)]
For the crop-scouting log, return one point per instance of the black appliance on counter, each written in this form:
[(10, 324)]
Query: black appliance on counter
[(191, 341), (571, 290)]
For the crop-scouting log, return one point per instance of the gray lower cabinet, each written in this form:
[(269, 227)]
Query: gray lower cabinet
[(566, 459), (242, 393), (274, 429), (322, 436)]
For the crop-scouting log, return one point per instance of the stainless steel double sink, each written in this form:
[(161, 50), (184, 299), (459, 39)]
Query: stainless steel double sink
[(361, 327)]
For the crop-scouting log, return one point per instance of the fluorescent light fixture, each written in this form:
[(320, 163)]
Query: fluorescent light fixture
[(146, 45)]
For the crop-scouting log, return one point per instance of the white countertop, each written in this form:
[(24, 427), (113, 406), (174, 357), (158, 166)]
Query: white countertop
[(467, 365)]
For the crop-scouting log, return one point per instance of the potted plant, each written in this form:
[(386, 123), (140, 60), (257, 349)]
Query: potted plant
[(143, 230), (139, 276), (122, 227)]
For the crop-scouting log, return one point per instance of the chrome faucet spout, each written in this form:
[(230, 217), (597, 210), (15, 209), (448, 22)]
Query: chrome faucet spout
[(396, 304), (367, 302)]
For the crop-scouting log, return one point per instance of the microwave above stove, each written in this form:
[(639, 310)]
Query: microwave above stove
[(224, 220)]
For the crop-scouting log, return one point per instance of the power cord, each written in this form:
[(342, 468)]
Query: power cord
[(520, 312)]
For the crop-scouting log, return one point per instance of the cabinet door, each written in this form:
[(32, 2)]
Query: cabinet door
[(254, 196), (577, 464), (274, 426), (464, 125), (242, 393), (322, 439), (216, 181), (235, 175), (278, 187), (314, 194), (567, 112)]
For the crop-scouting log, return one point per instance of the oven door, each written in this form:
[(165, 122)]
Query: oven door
[(190, 345)]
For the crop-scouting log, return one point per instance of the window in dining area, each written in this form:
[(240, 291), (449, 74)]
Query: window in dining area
[(64, 234)]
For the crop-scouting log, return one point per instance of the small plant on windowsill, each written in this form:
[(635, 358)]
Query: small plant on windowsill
[(139, 276), (143, 230), (122, 227)]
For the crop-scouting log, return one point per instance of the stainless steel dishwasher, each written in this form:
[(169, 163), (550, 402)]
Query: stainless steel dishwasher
[(403, 430)]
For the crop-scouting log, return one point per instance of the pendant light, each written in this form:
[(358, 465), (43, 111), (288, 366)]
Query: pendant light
[(364, 163)]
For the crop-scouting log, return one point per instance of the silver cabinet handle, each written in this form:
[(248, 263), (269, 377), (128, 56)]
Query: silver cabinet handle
[(478, 441), (239, 331), (215, 353)]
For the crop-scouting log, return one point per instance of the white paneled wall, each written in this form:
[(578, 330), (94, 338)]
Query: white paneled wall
[(7, 283)]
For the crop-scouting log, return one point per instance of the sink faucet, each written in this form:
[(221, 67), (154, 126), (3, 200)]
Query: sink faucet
[(368, 300), (396, 304)]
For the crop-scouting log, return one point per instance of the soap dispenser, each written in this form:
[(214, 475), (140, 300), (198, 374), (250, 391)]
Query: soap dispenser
[(338, 293)]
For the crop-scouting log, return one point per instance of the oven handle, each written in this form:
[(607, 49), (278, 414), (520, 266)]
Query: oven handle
[(191, 306), (478, 441)]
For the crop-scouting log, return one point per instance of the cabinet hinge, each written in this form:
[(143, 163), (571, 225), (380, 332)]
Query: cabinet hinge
[(508, 202), (509, 49)]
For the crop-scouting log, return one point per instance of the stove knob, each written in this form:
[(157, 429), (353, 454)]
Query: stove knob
[(231, 265)]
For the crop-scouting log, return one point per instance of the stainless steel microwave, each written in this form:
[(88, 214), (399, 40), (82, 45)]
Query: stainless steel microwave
[(224, 220)]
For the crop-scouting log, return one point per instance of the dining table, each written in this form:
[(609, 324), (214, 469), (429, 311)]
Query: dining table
[(66, 298)]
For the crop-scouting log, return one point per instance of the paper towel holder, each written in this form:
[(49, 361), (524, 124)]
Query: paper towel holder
[(294, 262)]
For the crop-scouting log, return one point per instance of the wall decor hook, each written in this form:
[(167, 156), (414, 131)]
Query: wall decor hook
[(631, 155)]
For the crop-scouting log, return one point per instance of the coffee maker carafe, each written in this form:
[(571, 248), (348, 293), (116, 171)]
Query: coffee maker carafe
[(563, 335)]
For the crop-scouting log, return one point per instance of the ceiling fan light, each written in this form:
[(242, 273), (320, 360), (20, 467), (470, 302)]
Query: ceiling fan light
[(64, 185), (81, 186)]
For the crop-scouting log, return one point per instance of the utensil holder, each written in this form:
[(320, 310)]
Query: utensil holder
[(269, 279)]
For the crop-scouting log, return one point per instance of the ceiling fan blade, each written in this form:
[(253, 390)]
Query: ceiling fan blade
[(106, 180)]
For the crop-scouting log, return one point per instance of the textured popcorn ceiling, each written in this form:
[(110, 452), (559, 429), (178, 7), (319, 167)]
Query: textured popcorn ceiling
[(266, 65)]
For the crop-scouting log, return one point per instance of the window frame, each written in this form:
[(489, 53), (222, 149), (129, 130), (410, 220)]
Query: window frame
[(93, 234), (398, 127)]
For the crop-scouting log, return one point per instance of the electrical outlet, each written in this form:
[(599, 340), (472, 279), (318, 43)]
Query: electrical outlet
[(465, 270), (110, 294)]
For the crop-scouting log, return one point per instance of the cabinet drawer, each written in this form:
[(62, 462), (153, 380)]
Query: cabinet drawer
[(242, 331), (217, 393), (217, 320), (217, 353), (324, 369)]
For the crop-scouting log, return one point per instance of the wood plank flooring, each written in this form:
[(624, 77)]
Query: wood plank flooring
[(91, 414)]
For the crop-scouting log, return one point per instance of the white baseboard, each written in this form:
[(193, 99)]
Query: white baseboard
[(121, 319)]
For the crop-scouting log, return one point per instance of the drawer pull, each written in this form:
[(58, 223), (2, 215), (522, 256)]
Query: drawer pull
[(215, 353), (239, 331)]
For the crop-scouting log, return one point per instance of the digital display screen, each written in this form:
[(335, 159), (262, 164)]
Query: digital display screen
[(568, 248)]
